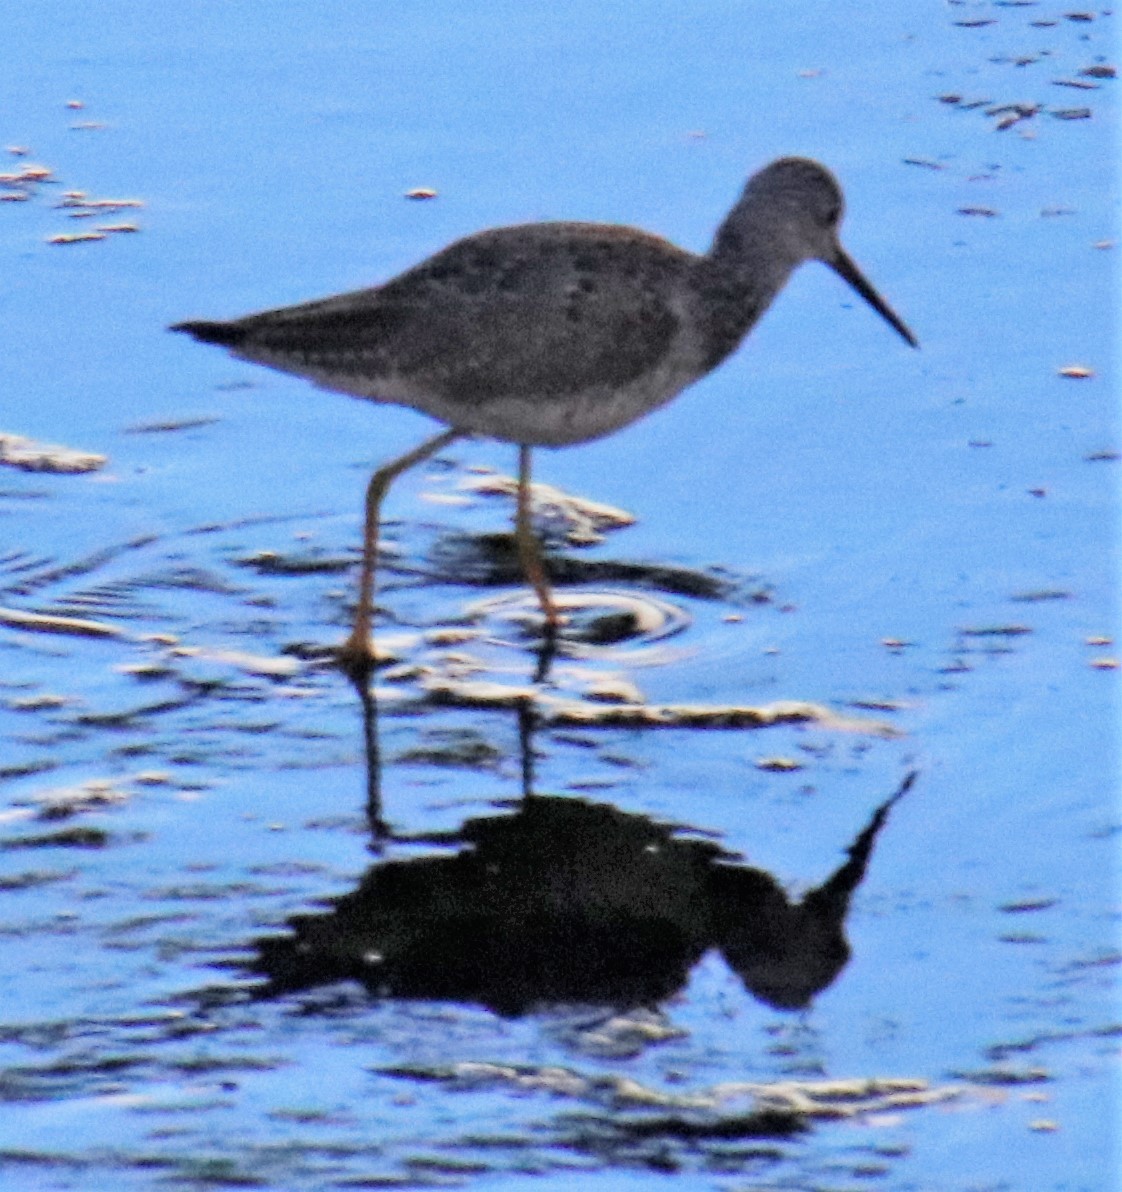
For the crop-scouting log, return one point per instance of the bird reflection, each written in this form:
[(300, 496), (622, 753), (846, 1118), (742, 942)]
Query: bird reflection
[(559, 900)]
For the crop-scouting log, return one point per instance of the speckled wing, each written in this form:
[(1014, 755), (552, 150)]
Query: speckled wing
[(542, 311)]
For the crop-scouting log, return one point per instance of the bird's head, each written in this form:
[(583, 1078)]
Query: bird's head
[(804, 205)]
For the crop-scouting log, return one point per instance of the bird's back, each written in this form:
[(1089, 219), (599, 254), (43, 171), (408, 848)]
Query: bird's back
[(540, 333)]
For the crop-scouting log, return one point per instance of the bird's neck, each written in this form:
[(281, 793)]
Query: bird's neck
[(740, 275), (752, 247)]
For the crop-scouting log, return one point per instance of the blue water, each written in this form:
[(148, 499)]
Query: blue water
[(876, 493)]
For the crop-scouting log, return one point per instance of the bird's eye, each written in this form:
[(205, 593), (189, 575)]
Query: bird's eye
[(832, 214)]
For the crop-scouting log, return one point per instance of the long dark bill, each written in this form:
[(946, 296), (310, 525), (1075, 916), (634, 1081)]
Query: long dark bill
[(844, 267)]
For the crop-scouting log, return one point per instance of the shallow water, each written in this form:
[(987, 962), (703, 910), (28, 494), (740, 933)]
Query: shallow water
[(916, 550)]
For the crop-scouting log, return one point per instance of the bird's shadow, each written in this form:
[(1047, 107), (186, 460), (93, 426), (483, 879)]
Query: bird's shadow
[(562, 901)]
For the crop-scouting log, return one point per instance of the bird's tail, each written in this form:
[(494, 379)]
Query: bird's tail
[(227, 334)]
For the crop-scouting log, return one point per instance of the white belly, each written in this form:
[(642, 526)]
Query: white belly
[(547, 420)]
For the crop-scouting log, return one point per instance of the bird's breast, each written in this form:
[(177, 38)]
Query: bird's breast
[(547, 418)]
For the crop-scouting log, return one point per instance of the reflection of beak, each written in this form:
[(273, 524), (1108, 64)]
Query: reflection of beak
[(842, 264)]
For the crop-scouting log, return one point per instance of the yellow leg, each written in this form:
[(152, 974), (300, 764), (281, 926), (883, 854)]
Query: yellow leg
[(356, 655), (528, 549)]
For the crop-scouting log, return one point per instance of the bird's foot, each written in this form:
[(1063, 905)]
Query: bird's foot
[(356, 658)]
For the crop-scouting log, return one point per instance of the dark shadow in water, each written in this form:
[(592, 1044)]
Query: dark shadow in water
[(564, 901), (490, 560)]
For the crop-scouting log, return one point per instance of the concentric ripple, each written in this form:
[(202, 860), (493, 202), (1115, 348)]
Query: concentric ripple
[(598, 624)]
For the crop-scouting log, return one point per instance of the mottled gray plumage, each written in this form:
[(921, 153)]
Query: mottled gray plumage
[(556, 333), (549, 334)]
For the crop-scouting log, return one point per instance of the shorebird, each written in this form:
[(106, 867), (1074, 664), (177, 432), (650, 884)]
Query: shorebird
[(549, 334)]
